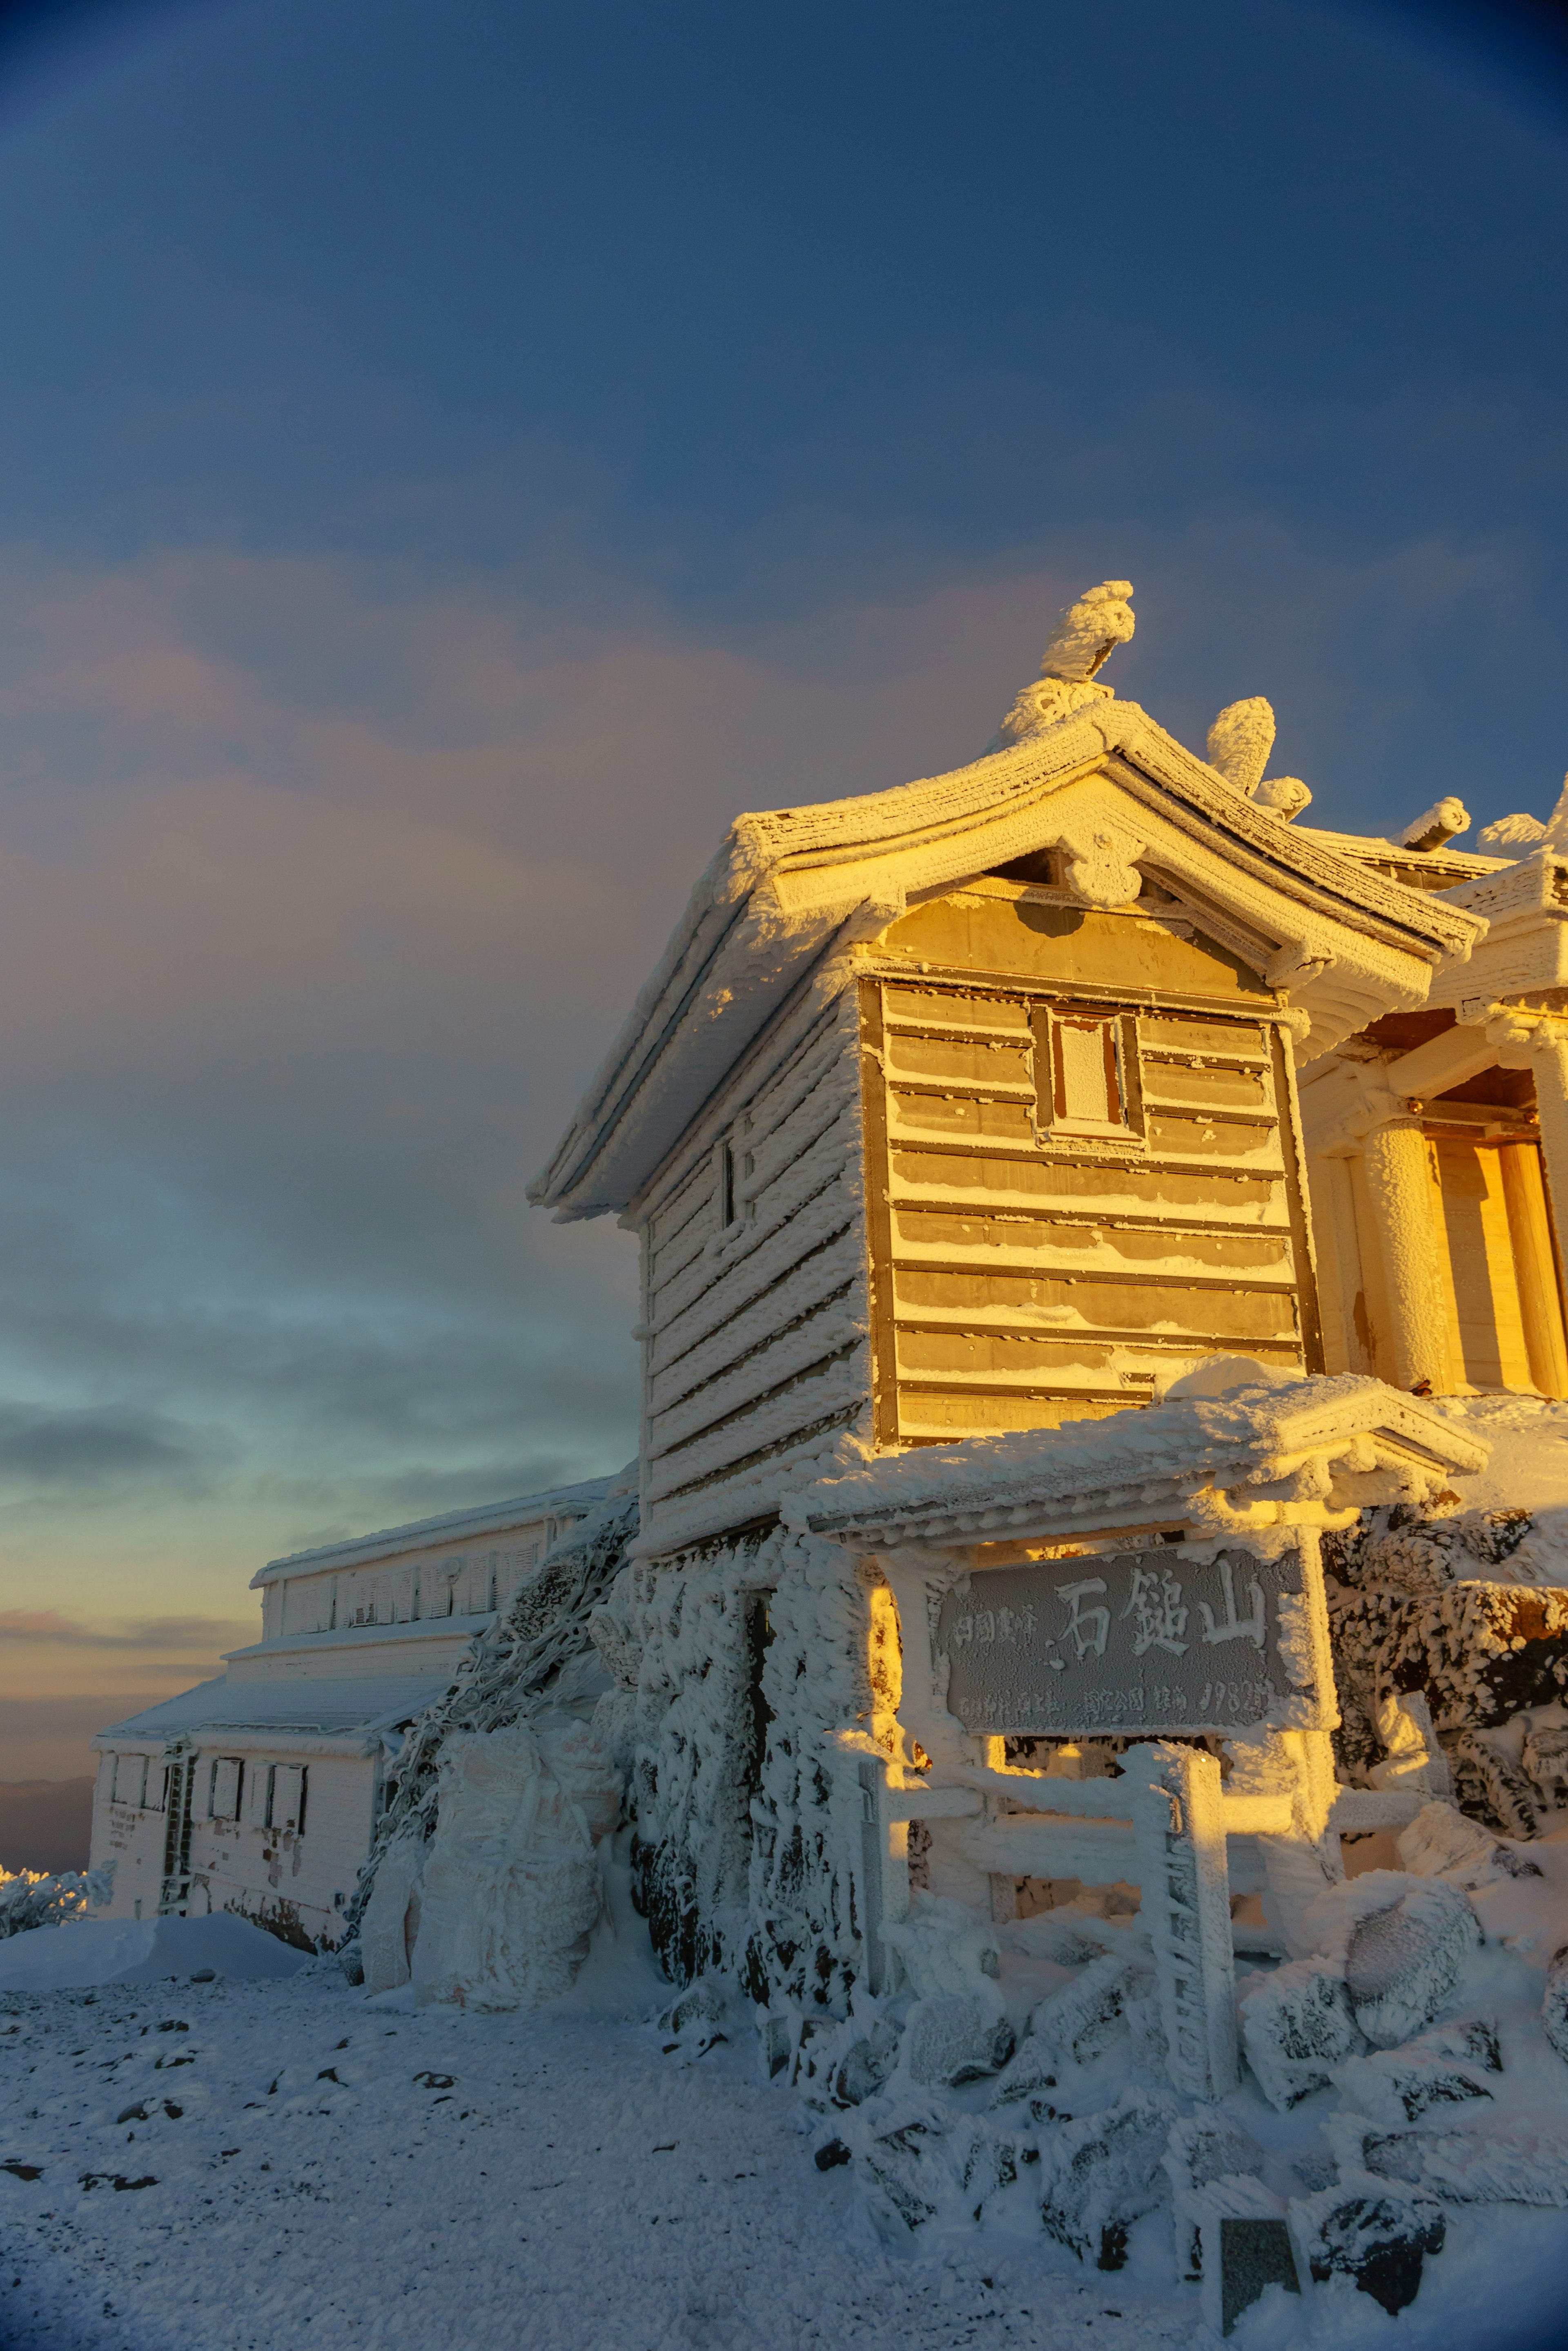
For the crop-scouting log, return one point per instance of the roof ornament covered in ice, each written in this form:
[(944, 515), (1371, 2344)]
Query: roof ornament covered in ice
[(794, 893), (1240, 741), (1085, 636), (1236, 1446), (1528, 831)]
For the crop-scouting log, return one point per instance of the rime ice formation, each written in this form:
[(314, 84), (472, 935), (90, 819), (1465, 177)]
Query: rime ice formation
[(1085, 636), (482, 1883), (1528, 832), (33, 1897), (1088, 631), (510, 1887), (1240, 742), (1435, 826)]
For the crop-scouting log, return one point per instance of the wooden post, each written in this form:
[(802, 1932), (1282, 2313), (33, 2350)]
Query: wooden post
[(1399, 1184), (1184, 1884), (1535, 1268)]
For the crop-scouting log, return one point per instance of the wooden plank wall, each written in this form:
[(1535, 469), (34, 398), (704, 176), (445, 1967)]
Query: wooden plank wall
[(754, 1309), (1023, 1274)]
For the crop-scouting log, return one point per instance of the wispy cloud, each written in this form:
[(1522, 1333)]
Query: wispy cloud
[(182, 1637), (104, 1448)]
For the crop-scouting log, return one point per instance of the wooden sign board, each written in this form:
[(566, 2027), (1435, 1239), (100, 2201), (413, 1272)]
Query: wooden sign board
[(1146, 1642)]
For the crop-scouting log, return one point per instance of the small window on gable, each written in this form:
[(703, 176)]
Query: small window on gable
[(1087, 1073)]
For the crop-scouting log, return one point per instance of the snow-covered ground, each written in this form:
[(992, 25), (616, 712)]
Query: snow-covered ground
[(552, 2180), (251, 2165)]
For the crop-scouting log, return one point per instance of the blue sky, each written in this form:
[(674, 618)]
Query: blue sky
[(454, 457)]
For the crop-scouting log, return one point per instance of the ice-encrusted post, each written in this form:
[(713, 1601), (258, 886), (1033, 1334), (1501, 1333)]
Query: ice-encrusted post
[(1179, 1829), (1400, 1188)]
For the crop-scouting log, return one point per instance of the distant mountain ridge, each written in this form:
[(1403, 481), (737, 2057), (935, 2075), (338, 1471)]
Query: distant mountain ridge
[(44, 1824)]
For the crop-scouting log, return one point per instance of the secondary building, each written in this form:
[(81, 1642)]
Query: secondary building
[(259, 1791)]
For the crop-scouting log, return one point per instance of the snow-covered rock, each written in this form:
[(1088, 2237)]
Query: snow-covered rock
[(1402, 1941), (1544, 1752), (1101, 2172), (905, 2171), (1081, 2019), (1203, 2150), (955, 2037), (944, 1947), (1378, 2235), (511, 1884), (390, 1923), (1442, 1842), (1521, 2161), (1297, 2025), (1447, 2067)]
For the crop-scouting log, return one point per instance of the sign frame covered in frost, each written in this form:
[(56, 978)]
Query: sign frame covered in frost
[(1149, 1642)]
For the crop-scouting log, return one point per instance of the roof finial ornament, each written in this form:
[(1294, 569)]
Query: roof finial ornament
[(1086, 633), (1240, 742), (1526, 833)]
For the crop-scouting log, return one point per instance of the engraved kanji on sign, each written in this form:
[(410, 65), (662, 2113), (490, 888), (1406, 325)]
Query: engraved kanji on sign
[(1089, 1627), (1158, 1611), (1231, 1627), (1044, 1647)]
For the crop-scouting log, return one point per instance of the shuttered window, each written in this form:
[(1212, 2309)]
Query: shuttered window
[(1086, 1087), (285, 1807), (224, 1803)]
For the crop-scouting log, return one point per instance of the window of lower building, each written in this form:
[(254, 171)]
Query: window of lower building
[(224, 1788), (286, 1797)]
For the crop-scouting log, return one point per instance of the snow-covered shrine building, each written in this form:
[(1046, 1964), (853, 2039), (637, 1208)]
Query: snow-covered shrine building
[(1438, 1136), (259, 1791), (961, 1112)]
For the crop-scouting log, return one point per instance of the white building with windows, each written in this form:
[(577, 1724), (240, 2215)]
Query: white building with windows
[(259, 1791)]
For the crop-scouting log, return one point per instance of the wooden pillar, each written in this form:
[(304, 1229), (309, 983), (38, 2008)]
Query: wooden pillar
[(1535, 1268), (1400, 1188), (1548, 1061), (1346, 1327), (1184, 1888)]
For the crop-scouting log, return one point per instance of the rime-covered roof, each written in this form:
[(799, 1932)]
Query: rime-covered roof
[(1231, 1425), (454, 1526), (790, 887), (328, 1708)]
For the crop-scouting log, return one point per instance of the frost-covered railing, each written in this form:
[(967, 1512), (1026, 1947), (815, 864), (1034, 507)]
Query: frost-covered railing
[(506, 1669)]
